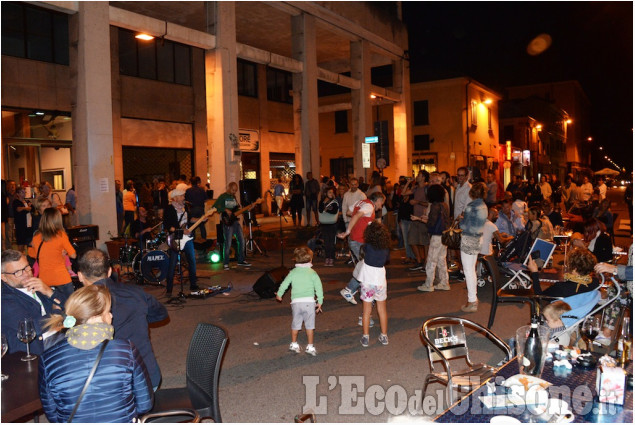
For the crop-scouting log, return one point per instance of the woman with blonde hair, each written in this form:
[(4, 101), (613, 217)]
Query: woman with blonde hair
[(472, 225), (49, 245), (120, 389)]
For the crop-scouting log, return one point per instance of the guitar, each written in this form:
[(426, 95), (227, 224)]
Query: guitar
[(228, 220), (179, 244)]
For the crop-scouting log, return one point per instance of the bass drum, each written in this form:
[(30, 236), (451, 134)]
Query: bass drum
[(153, 266)]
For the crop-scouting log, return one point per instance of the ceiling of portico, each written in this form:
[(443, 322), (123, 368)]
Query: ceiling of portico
[(258, 24)]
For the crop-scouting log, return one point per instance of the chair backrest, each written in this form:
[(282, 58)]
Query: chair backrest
[(544, 248), (203, 367), (449, 339), (492, 267), (444, 338)]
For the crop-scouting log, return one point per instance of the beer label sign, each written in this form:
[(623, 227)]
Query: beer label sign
[(445, 337)]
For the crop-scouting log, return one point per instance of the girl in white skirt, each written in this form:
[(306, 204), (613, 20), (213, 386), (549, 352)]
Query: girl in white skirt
[(372, 276)]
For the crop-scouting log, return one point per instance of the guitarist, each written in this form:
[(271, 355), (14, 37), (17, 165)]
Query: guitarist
[(226, 205), (176, 217)]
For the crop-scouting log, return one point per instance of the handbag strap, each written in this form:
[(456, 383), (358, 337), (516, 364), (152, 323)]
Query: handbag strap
[(37, 257), (90, 378)]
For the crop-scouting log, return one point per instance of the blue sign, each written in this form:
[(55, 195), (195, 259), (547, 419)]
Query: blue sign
[(371, 139)]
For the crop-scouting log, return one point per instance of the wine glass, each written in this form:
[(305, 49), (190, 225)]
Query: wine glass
[(590, 329), (5, 348), (26, 334)]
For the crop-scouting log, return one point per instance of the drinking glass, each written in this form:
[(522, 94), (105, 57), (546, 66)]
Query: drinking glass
[(590, 329), (26, 334), (5, 347)]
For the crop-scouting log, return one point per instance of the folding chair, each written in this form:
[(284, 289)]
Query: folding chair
[(444, 337), (519, 271)]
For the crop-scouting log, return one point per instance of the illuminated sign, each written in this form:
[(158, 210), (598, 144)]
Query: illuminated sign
[(508, 150), (371, 139), (365, 155)]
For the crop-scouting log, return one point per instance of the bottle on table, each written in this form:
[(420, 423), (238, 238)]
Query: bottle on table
[(532, 356)]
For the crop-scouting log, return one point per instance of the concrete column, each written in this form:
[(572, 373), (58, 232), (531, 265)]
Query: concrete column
[(305, 97), (362, 110), (402, 148), (93, 170), (222, 100)]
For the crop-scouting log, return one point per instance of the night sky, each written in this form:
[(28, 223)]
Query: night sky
[(592, 42)]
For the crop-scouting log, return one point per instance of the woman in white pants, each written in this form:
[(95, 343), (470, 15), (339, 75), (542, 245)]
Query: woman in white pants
[(472, 225)]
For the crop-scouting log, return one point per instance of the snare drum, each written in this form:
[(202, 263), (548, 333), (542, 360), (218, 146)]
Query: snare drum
[(152, 265), (157, 242), (127, 254)]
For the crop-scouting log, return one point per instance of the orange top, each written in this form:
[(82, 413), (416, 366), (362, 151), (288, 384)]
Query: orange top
[(52, 264)]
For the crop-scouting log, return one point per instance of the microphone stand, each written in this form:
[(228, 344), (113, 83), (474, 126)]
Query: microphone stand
[(180, 298)]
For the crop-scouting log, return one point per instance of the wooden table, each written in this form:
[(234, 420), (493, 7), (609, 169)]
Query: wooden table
[(20, 394), (576, 387)]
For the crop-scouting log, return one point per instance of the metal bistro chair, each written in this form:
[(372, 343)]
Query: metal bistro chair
[(203, 363), (172, 416), (444, 337)]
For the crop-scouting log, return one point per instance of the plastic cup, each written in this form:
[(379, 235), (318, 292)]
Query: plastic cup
[(521, 338)]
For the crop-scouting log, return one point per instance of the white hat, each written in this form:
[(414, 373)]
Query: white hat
[(180, 190)]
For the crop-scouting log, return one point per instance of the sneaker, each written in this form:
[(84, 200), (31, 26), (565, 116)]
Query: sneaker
[(418, 266), (225, 266), (364, 341), (383, 339), (445, 287), (348, 296), (311, 350), (425, 288), (295, 347), (244, 264), (360, 323), (470, 307)]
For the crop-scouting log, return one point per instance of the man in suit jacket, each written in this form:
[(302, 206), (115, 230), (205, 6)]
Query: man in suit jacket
[(25, 296), (132, 308)]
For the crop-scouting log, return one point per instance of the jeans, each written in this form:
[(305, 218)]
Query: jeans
[(66, 289), (328, 234), (469, 270), (311, 205), (436, 264), (228, 232), (354, 284), (188, 250), (404, 225)]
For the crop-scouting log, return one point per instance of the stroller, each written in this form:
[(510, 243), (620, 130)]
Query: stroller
[(587, 305)]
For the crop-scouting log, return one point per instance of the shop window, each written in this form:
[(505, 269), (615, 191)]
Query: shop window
[(161, 60), (247, 78), (279, 85), (422, 142), (34, 33), (421, 112), (341, 122)]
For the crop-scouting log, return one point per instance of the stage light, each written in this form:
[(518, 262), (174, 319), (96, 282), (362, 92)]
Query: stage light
[(214, 257)]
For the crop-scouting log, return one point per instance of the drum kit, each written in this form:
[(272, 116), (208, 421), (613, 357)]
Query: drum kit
[(150, 264)]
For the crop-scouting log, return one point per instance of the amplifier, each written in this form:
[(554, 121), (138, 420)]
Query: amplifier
[(85, 233)]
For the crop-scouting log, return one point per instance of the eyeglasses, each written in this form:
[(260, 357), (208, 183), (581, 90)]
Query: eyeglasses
[(460, 175), (19, 273)]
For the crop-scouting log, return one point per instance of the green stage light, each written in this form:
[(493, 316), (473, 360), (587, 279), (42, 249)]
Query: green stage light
[(214, 257)]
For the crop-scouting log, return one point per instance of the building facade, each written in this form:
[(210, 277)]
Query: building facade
[(224, 90)]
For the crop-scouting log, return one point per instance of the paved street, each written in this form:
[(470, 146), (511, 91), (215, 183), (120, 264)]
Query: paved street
[(263, 382)]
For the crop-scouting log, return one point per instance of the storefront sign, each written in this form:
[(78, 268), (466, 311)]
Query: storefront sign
[(365, 155), (371, 139), (249, 140)]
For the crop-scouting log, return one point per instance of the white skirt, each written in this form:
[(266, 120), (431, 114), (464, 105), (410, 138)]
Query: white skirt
[(369, 274)]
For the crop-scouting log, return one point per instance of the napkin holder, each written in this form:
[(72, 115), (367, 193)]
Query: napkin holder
[(610, 384)]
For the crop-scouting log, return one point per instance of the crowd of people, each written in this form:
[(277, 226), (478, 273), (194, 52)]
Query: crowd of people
[(107, 321)]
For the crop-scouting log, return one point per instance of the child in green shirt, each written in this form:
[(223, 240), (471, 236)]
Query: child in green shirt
[(305, 286)]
